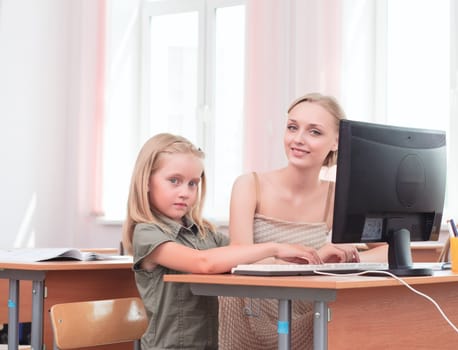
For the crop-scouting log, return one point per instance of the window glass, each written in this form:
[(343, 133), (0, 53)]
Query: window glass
[(173, 77), (418, 63), (398, 68), (418, 69), (227, 133)]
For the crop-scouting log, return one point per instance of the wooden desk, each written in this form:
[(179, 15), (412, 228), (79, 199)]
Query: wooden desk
[(25, 312), (365, 312), (426, 251), (58, 282)]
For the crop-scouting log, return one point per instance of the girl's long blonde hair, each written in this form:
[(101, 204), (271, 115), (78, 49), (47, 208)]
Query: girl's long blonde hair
[(139, 209)]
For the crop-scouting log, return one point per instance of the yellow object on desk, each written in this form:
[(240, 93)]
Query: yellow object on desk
[(454, 253)]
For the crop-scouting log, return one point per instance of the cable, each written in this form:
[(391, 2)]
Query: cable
[(427, 297)]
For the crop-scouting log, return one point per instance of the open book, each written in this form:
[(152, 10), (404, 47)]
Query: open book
[(47, 254)]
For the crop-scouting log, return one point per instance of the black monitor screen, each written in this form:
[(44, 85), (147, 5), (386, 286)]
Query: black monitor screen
[(390, 187)]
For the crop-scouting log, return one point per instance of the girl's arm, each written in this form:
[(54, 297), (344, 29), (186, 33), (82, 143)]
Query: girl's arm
[(218, 260)]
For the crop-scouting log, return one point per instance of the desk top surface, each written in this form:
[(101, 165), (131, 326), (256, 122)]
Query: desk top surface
[(322, 282), (125, 263)]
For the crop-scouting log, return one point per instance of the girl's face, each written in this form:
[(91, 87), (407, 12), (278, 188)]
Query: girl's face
[(311, 133), (173, 188)]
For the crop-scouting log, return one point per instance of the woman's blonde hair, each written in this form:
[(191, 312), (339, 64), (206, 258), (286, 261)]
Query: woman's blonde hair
[(330, 104), (139, 209)]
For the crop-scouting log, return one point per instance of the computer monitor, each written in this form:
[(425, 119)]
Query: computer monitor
[(390, 187)]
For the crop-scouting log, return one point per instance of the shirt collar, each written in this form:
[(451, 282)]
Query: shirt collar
[(176, 227)]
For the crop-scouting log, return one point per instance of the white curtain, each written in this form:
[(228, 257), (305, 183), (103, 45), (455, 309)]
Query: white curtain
[(343, 48), (295, 47)]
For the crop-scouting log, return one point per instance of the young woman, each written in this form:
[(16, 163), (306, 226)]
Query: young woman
[(165, 232), (292, 204)]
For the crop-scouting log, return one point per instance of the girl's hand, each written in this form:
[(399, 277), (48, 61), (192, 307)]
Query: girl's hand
[(298, 254), (335, 253)]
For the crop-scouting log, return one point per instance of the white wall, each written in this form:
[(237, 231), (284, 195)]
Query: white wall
[(48, 79)]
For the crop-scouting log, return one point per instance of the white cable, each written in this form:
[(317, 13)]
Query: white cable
[(427, 297)]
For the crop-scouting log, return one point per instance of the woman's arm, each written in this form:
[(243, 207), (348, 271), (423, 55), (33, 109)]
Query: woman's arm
[(242, 210), (335, 253)]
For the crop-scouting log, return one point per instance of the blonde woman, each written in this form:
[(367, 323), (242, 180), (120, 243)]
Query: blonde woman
[(288, 205)]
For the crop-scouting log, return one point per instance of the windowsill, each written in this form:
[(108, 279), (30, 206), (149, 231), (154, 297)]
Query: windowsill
[(101, 220)]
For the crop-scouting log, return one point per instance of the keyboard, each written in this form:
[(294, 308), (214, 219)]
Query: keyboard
[(306, 269), (310, 269)]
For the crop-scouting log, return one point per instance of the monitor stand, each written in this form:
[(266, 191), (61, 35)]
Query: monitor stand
[(400, 255)]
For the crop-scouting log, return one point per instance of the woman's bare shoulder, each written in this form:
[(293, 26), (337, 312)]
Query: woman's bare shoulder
[(244, 185), (244, 179), (250, 178)]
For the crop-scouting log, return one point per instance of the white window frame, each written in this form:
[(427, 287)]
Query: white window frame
[(206, 77)]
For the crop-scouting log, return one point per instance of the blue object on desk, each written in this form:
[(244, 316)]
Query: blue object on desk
[(454, 229)]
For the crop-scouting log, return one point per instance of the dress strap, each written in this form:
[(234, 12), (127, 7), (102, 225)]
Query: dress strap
[(328, 210), (258, 191)]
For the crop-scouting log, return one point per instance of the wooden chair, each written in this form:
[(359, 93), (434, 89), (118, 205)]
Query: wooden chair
[(100, 322)]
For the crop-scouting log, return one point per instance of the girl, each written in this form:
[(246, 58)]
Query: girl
[(292, 204), (166, 234)]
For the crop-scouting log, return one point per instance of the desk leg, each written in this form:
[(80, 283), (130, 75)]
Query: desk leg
[(13, 315), (37, 315), (320, 326), (284, 324)]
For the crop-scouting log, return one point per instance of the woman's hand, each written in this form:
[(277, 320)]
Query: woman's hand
[(298, 254), (335, 253)]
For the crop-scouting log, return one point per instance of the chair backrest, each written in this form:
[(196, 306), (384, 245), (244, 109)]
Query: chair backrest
[(99, 322)]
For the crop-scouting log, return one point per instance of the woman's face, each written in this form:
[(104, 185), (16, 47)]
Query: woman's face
[(311, 133)]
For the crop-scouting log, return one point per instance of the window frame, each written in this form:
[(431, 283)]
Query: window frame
[(206, 72), (380, 95)]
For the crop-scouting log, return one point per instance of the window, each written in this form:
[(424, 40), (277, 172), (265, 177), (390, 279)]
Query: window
[(383, 69), (417, 87), (403, 72), (192, 84)]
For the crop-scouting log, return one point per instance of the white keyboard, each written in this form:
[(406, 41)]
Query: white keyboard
[(305, 269)]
